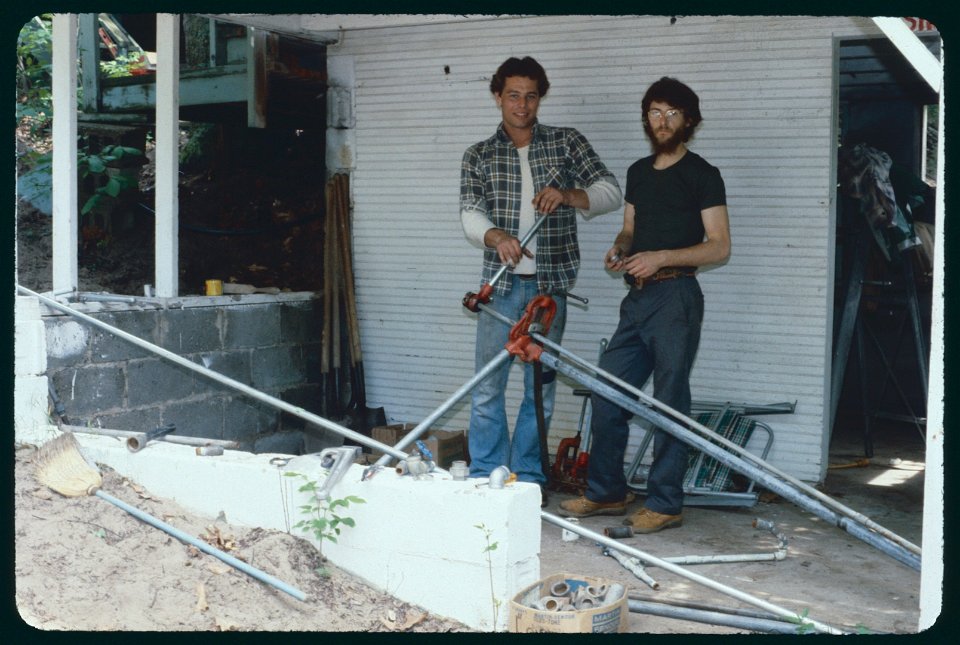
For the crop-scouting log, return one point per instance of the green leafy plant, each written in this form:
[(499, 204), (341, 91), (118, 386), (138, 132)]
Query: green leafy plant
[(487, 550), (36, 185), (322, 518), (34, 54), (107, 184), (801, 621), (124, 65)]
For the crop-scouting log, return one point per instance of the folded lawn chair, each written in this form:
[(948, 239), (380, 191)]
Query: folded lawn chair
[(707, 481)]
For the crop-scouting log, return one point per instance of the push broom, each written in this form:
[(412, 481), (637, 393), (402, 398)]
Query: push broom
[(63, 467)]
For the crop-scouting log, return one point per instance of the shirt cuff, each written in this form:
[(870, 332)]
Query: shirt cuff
[(475, 227), (604, 197)]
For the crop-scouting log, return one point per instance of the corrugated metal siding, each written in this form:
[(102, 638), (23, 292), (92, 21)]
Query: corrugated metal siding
[(766, 89)]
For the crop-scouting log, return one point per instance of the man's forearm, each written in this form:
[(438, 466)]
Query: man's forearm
[(576, 197)]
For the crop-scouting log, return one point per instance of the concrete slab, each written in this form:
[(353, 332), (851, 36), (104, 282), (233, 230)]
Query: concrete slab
[(834, 577)]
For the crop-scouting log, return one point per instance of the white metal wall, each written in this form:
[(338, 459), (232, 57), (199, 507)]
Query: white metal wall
[(766, 86)]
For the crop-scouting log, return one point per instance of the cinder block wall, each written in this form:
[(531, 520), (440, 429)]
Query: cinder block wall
[(266, 342)]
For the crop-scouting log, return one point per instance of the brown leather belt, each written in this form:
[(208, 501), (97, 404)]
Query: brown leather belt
[(666, 274)]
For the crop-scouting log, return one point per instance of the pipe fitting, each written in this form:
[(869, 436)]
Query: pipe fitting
[(550, 603), (614, 593), (459, 471), (598, 592), (414, 465), (337, 461), (618, 532), (499, 477), (586, 602), (559, 589)]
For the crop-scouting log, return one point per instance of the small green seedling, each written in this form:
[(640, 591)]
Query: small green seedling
[(491, 546), (322, 518)]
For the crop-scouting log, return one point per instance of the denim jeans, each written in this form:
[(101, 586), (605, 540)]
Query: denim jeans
[(488, 438), (658, 333)]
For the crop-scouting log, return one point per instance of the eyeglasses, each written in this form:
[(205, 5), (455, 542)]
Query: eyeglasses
[(669, 115)]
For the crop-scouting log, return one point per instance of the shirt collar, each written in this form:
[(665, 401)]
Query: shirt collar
[(503, 137)]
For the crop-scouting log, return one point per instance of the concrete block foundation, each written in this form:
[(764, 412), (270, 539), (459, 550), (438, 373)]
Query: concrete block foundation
[(418, 540), (264, 341)]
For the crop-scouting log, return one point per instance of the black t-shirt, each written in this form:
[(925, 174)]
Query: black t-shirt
[(668, 202)]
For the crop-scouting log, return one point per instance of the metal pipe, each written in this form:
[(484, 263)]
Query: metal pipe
[(139, 441), (634, 566), (716, 438), (225, 380), (736, 611), (105, 297), (763, 625), (726, 458), (203, 546), (126, 434), (523, 244), (689, 575), (339, 459), (422, 427)]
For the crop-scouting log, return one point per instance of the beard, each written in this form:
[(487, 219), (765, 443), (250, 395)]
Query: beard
[(668, 145)]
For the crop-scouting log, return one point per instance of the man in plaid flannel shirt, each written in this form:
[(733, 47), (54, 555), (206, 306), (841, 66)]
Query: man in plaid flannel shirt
[(524, 171)]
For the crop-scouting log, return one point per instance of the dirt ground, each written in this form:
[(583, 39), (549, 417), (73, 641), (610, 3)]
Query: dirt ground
[(84, 564)]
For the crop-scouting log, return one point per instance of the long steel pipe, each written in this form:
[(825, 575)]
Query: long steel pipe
[(126, 434), (713, 439), (716, 438), (216, 376), (432, 418), (755, 473), (763, 625), (203, 546), (680, 571)]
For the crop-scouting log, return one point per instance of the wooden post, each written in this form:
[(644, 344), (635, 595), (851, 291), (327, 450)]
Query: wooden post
[(65, 216), (167, 160)]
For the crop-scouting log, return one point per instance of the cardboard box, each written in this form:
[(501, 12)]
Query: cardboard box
[(610, 619), (446, 446)]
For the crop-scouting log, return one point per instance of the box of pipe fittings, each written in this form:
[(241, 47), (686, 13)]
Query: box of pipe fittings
[(569, 603), (446, 446)]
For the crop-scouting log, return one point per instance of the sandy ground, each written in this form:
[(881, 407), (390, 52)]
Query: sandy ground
[(84, 564)]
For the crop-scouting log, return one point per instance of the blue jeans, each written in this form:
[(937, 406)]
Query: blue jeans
[(658, 333), (489, 439)]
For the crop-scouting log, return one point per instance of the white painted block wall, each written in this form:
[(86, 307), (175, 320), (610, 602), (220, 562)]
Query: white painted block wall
[(30, 364), (415, 539)]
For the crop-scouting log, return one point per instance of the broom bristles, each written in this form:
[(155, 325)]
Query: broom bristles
[(62, 467)]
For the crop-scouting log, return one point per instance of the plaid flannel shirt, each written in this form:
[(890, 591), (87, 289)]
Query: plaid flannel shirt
[(490, 184)]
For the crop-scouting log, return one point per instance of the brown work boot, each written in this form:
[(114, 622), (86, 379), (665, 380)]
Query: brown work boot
[(647, 521), (583, 507)]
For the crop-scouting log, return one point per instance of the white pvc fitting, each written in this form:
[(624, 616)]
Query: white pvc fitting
[(566, 534), (614, 593), (459, 471), (499, 476)]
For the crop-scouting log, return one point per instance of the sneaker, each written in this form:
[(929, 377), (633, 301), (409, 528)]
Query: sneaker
[(583, 507), (647, 521)]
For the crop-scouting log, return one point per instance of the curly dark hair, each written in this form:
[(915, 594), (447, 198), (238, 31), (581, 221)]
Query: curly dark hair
[(673, 92), (526, 66)]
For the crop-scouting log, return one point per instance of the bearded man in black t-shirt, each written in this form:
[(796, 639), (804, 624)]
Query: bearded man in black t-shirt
[(675, 220)]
